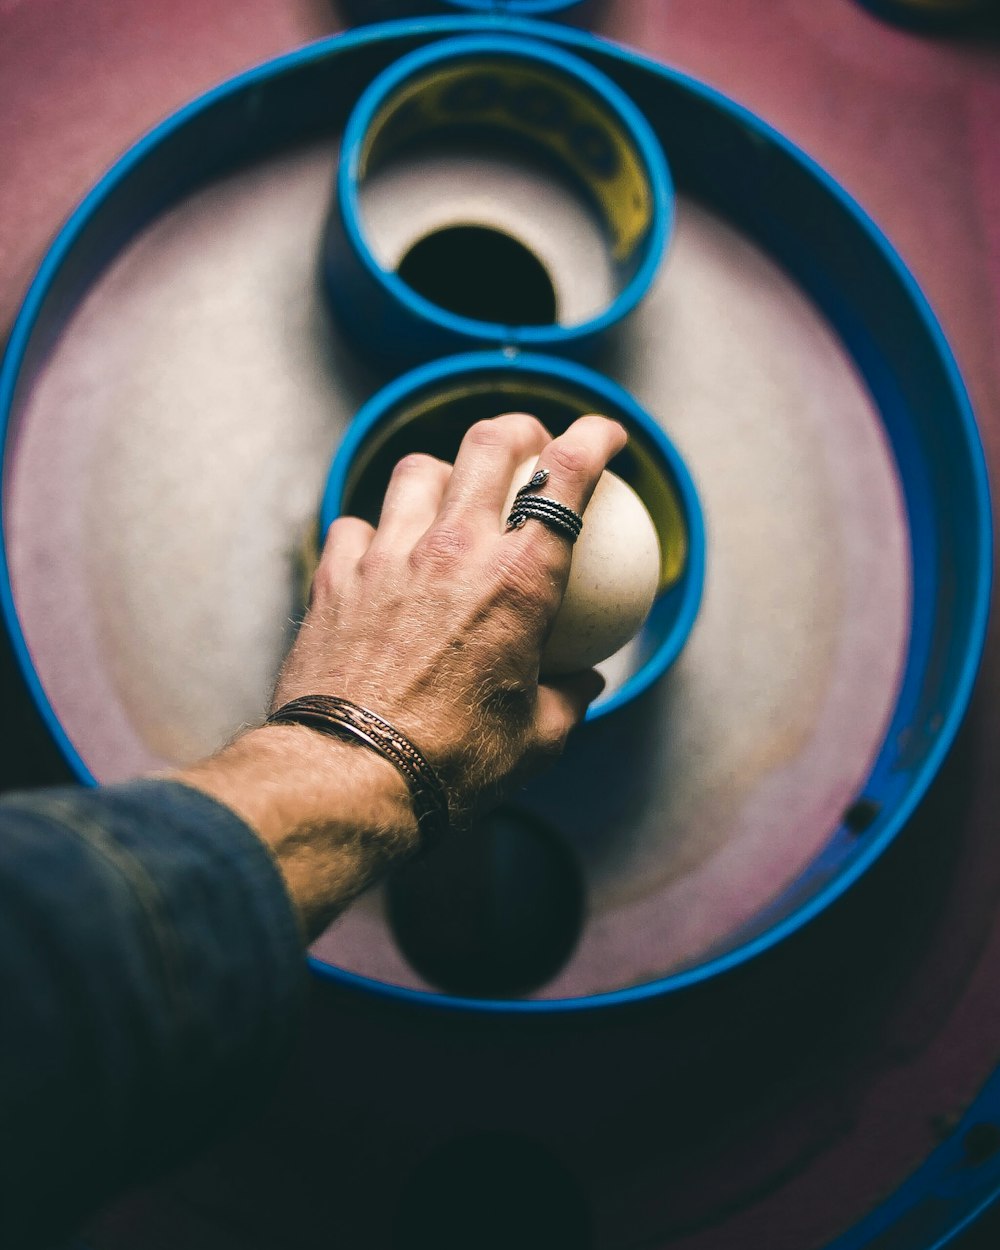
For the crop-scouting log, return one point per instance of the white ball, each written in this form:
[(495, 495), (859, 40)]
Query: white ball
[(613, 577)]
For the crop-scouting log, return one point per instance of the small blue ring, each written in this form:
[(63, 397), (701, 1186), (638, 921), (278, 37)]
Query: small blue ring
[(682, 599), (391, 321)]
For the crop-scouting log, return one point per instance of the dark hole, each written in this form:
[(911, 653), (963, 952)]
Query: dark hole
[(491, 914), (982, 1141), (861, 814), (478, 272), (493, 1191)]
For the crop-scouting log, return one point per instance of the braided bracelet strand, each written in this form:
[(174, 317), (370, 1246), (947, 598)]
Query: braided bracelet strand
[(340, 718)]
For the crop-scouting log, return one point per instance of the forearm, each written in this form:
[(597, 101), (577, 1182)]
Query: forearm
[(151, 974), (151, 935), (334, 814)]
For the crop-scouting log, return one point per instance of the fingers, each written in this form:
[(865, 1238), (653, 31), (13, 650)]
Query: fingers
[(486, 462), (536, 558), (561, 705), (575, 460), (412, 502), (347, 540)]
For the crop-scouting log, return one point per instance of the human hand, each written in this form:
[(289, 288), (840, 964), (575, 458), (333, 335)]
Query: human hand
[(436, 619)]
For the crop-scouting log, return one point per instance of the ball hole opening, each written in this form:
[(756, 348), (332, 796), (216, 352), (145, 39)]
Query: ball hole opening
[(861, 815), (494, 913), (481, 273)]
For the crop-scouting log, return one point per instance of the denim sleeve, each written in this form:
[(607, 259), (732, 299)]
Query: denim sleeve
[(151, 980)]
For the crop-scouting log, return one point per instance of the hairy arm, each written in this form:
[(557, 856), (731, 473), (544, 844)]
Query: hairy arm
[(151, 934), (436, 621), (334, 817)]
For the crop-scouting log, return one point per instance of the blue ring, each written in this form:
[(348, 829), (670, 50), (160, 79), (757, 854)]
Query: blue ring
[(225, 114), (386, 316), (611, 399), (944, 1196)]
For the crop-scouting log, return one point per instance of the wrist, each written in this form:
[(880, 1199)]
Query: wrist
[(348, 721), (334, 815)]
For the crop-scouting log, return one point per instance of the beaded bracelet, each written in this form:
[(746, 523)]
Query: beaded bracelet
[(339, 718)]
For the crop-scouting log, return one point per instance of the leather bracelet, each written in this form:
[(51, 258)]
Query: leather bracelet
[(339, 718)]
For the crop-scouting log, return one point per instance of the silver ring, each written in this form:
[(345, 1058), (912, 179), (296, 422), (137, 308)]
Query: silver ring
[(537, 481), (557, 516)]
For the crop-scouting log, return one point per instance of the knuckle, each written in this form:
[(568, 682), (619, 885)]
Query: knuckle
[(375, 562), (571, 459), (509, 701), (528, 587), (551, 742), (442, 547)]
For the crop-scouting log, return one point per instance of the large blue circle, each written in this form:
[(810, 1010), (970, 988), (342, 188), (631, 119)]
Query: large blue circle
[(789, 205), (782, 200)]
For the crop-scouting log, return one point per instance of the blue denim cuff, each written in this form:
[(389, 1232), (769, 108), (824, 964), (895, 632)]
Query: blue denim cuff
[(152, 978)]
